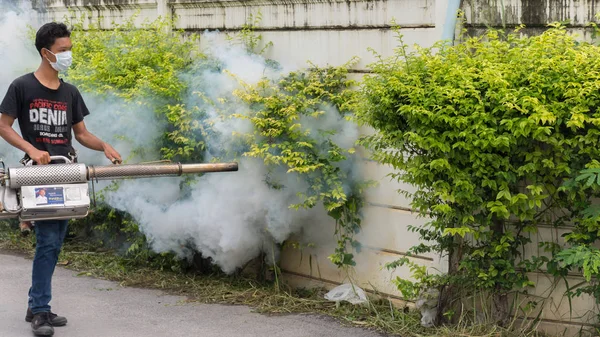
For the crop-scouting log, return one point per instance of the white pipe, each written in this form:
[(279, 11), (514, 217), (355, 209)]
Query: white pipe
[(450, 23)]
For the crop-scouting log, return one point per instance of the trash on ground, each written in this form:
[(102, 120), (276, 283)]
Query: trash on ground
[(347, 292)]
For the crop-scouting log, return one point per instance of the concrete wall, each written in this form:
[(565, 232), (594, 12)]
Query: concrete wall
[(534, 14), (332, 32), (335, 30)]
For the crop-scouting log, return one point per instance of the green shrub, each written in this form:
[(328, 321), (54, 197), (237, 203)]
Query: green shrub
[(289, 117), (142, 67), (488, 132), (158, 69)]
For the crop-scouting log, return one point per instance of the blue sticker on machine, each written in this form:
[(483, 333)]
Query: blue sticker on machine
[(49, 196)]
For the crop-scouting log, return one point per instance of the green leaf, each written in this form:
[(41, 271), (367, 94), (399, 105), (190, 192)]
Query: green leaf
[(461, 231), (504, 194)]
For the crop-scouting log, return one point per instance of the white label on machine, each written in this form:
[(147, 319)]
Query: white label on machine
[(66, 201), (27, 193), (72, 193), (49, 196), (53, 196)]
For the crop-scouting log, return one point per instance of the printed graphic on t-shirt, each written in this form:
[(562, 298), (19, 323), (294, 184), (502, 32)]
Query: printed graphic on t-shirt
[(49, 121), (46, 116)]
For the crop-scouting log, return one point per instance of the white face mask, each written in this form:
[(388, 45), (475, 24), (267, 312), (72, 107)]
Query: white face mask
[(63, 60)]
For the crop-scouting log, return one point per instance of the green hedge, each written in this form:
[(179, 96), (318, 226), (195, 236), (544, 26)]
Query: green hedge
[(492, 133)]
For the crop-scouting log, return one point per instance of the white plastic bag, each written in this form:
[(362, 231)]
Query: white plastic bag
[(428, 304), (347, 292)]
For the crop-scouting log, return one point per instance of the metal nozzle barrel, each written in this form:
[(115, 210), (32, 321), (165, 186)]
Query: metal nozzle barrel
[(155, 170), (80, 173)]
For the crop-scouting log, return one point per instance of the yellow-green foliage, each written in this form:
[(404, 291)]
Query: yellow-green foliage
[(134, 64), (281, 139), (155, 67), (492, 133)]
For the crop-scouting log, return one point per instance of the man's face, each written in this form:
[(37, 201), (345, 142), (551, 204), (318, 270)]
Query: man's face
[(42, 192), (61, 44)]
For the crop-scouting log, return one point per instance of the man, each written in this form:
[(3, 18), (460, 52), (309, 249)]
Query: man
[(41, 197), (48, 109)]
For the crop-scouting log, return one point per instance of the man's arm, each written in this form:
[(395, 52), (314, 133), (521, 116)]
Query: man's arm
[(87, 139), (14, 139)]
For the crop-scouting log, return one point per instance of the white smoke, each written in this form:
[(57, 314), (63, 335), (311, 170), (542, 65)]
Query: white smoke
[(230, 217), (17, 58), (128, 127)]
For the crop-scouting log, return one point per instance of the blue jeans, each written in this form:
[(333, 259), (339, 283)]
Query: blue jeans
[(50, 235)]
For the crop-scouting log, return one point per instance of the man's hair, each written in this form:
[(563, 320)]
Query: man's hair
[(48, 33)]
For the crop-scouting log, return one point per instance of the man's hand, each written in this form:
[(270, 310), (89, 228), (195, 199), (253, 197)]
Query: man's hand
[(40, 157), (112, 154)]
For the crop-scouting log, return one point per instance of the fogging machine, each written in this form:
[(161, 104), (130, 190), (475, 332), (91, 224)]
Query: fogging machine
[(61, 191)]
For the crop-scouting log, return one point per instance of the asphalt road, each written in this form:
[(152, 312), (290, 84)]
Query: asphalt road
[(98, 308)]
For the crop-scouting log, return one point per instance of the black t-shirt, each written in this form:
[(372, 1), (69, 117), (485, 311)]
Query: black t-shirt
[(45, 116)]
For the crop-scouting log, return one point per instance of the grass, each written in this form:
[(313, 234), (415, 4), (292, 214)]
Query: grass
[(263, 297)]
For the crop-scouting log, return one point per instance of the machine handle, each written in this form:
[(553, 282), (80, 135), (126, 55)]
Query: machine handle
[(63, 158)]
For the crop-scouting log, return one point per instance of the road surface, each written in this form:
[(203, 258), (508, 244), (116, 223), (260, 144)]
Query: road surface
[(98, 308)]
